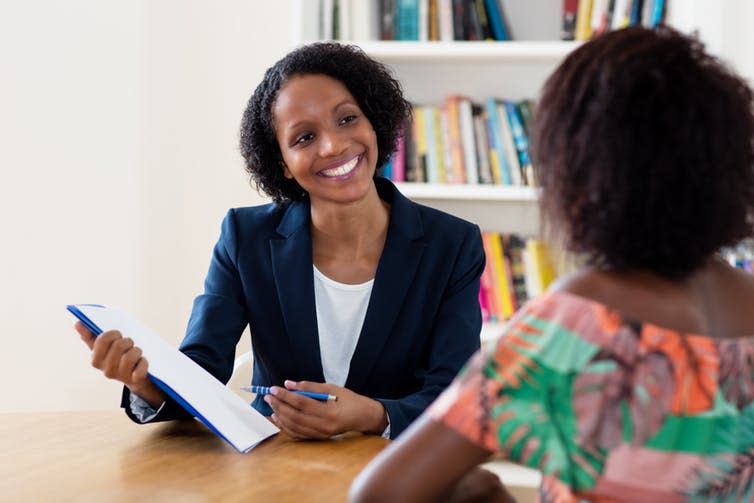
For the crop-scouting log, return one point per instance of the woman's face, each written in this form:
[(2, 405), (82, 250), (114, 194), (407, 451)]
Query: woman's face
[(328, 145)]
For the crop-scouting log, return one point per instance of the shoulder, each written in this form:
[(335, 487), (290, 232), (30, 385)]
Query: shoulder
[(415, 219), (247, 219)]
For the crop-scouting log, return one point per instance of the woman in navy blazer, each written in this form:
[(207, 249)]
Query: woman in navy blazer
[(315, 131)]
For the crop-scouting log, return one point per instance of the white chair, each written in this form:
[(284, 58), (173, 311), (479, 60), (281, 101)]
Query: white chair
[(242, 368)]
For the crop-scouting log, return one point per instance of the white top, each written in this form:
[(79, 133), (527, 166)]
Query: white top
[(341, 310)]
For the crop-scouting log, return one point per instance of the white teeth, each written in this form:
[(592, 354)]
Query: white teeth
[(343, 169)]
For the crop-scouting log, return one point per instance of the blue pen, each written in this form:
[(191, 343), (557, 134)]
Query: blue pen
[(265, 390)]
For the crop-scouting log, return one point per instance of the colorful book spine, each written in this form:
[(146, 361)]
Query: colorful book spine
[(568, 27), (468, 141), (508, 145), (520, 141), (584, 20), (407, 20), (399, 159), (456, 167), (432, 135), (488, 280), (502, 277), (497, 141), (420, 169), (497, 23), (482, 148)]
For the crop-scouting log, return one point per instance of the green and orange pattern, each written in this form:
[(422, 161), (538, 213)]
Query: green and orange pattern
[(611, 409)]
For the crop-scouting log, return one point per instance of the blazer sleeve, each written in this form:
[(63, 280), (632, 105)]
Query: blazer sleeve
[(455, 335), (217, 320)]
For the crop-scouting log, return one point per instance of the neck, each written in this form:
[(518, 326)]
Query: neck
[(348, 231)]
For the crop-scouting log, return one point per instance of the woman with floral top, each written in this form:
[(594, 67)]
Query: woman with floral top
[(633, 378)]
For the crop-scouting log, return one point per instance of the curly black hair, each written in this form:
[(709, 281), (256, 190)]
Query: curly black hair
[(371, 83), (644, 150)]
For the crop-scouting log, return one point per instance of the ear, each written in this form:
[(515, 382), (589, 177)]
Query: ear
[(286, 172)]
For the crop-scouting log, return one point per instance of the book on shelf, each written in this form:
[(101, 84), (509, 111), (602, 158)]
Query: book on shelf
[(570, 10), (454, 20), (462, 142), (516, 270), (406, 20), (595, 17)]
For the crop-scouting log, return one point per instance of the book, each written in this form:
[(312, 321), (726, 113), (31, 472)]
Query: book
[(496, 20), (407, 20), (568, 28), (500, 169), (584, 20), (195, 389), (520, 141), (482, 146), (387, 10), (445, 13), (455, 168), (363, 26), (509, 145), (468, 141)]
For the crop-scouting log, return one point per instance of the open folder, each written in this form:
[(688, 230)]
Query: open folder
[(195, 389)]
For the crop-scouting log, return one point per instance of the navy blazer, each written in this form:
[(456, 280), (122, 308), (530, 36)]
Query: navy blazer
[(422, 322)]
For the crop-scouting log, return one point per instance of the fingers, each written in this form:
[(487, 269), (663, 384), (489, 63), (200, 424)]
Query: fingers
[(115, 355), (297, 430), (303, 417), (118, 358), (85, 334), (316, 387)]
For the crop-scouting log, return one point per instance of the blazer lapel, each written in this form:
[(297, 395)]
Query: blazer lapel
[(395, 273), (292, 268)]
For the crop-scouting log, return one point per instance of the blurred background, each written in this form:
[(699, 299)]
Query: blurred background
[(119, 155)]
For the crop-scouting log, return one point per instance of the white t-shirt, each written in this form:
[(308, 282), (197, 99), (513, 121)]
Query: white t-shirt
[(341, 310)]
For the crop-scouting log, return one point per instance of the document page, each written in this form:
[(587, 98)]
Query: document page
[(226, 413)]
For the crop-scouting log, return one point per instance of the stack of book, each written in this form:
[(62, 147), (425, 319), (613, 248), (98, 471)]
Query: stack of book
[(585, 19), (465, 142), (517, 269), (419, 20), (452, 20)]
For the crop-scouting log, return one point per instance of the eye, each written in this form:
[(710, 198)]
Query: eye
[(303, 138), (348, 118)]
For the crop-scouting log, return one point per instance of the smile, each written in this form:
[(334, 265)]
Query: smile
[(343, 169)]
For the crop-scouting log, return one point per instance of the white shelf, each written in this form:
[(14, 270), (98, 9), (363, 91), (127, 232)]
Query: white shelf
[(529, 51), (461, 192)]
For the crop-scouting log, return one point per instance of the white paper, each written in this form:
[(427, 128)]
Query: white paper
[(241, 425)]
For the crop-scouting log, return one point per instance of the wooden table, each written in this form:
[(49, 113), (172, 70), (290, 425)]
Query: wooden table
[(102, 456)]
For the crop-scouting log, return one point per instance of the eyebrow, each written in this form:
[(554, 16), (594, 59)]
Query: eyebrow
[(334, 109)]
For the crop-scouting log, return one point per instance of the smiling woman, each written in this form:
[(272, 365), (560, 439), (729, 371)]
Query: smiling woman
[(349, 288), (328, 145)]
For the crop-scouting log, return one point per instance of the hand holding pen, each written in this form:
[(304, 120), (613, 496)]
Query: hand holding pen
[(265, 390), (303, 418)]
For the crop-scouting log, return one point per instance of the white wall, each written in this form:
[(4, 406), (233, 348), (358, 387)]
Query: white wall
[(119, 158), (118, 150)]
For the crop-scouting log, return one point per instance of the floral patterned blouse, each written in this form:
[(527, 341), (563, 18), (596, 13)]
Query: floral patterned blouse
[(611, 409)]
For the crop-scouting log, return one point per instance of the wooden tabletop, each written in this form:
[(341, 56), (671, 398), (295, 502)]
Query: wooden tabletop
[(103, 456)]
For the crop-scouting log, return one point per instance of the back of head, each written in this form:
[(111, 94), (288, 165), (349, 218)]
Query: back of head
[(644, 149)]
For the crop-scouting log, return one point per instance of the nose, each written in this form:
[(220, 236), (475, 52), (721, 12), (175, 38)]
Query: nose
[(331, 143)]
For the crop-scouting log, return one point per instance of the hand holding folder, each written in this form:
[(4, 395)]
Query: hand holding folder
[(222, 411)]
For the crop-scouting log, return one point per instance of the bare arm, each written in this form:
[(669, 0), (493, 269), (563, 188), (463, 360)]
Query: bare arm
[(427, 462)]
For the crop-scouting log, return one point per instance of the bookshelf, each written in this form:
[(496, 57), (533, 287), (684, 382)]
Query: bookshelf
[(429, 71)]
